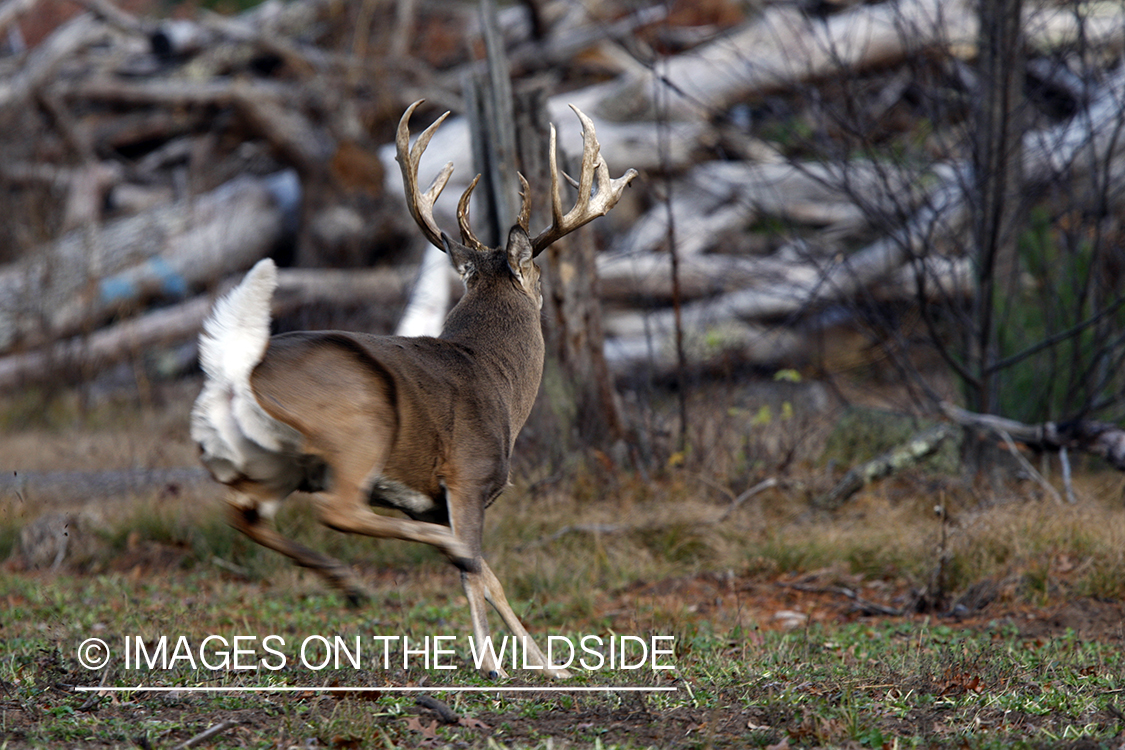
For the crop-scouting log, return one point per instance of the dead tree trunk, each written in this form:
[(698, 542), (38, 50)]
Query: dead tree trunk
[(998, 179), (488, 99), (574, 332)]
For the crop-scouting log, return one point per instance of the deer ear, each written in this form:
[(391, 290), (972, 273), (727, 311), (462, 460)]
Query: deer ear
[(460, 256), (519, 250)]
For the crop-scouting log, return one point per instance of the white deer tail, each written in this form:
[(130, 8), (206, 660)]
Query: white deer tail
[(236, 334), (235, 434)]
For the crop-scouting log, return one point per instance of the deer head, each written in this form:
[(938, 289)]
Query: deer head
[(594, 200)]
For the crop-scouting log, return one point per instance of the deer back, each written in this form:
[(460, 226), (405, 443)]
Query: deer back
[(446, 406)]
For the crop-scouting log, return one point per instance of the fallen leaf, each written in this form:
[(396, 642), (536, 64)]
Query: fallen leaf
[(472, 723), (429, 732)]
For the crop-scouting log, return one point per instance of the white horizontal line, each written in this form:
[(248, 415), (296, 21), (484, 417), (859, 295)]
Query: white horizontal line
[(434, 689)]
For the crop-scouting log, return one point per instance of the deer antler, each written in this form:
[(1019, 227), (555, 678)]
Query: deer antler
[(421, 204), (590, 205)]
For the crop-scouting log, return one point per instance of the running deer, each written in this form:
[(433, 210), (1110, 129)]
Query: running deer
[(424, 425)]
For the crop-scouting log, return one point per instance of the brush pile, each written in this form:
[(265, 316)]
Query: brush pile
[(148, 160)]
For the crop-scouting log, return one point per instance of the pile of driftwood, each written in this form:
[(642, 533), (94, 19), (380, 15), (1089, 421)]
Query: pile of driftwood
[(149, 160)]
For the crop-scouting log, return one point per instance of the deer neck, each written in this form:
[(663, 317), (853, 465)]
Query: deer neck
[(502, 328)]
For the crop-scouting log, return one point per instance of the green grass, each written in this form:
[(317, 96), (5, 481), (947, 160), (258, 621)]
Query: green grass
[(905, 683), (600, 551)]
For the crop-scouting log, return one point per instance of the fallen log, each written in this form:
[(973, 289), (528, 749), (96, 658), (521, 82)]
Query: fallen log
[(915, 450), (428, 303), (80, 280), (88, 355), (788, 48), (1102, 439), (44, 60), (647, 278), (633, 345)]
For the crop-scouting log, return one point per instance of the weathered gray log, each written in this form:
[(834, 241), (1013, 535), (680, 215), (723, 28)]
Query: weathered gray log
[(647, 278), (633, 343), (1102, 439), (171, 92), (45, 59), (12, 10), (788, 49), (77, 282), (919, 447), (429, 299), (88, 355)]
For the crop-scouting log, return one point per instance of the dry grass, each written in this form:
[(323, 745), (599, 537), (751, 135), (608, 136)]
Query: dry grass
[(592, 522)]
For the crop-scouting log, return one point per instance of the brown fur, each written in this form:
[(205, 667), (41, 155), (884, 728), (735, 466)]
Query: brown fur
[(422, 425)]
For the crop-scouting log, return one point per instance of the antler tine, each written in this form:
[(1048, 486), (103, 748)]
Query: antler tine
[(467, 237), (590, 205), (525, 209), (421, 204)]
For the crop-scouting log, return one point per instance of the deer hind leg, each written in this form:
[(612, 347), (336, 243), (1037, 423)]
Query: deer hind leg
[(353, 437), (344, 507), (483, 586), (251, 511)]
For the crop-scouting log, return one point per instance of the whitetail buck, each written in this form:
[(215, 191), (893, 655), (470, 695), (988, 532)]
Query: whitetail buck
[(425, 426)]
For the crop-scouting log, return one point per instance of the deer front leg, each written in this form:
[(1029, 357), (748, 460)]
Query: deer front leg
[(254, 518), (470, 583), (466, 516), (494, 595), (466, 519)]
